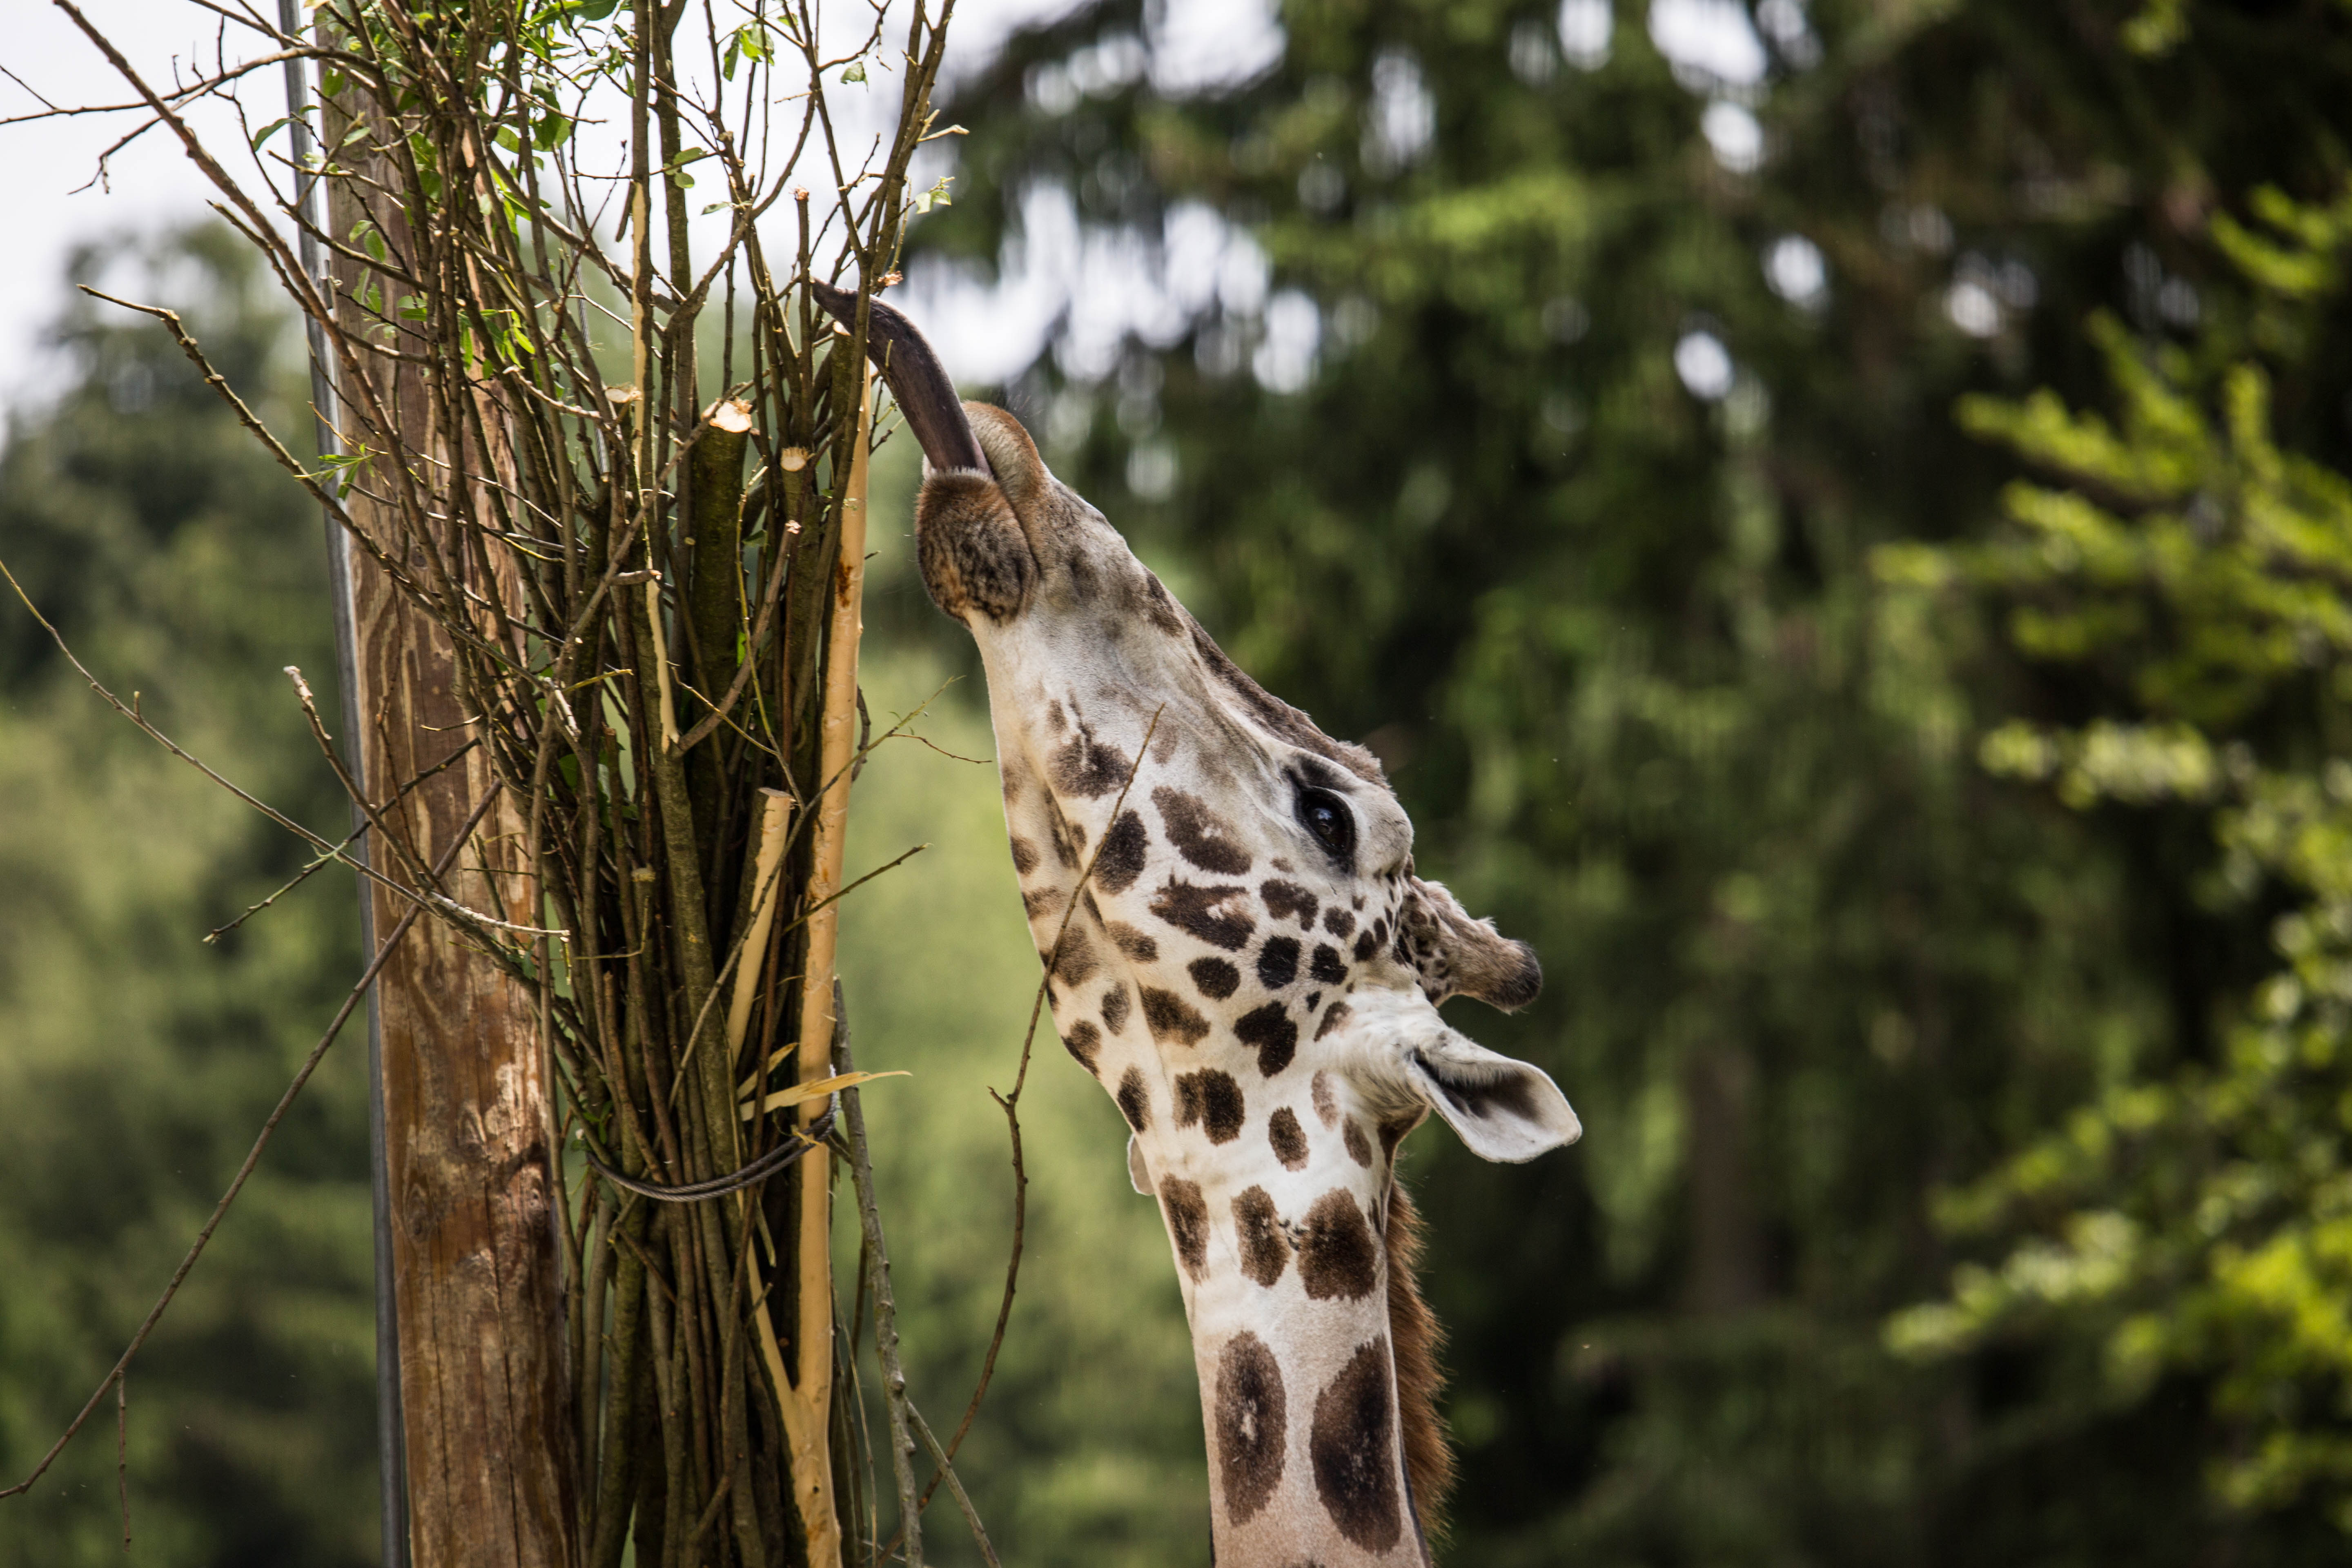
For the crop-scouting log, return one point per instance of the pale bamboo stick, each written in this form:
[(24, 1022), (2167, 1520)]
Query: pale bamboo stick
[(768, 856), (837, 745)]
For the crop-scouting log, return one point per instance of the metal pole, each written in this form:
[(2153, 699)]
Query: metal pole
[(392, 1457)]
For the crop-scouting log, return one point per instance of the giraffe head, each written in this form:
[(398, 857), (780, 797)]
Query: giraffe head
[(1239, 949)]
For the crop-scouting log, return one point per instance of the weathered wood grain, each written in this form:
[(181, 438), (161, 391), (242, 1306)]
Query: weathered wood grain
[(469, 1138)]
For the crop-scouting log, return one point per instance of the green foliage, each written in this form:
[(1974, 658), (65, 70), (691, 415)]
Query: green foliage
[(2226, 581), (1614, 628), (136, 1061), (2197, 1220)]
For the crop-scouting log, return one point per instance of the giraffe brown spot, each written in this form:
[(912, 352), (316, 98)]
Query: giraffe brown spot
[(1327, 1100), (1073, 956), (1039, 901), (1270, 1032), (1069, 837), (1338, 921), (1086, 582), (1252, 1425), (1339, 1013), (1120, 861), (1160, 606), (1367, 944), (1200, 835), (1171, 1017), (1277, 962), (1216, 979), (1025, 855), (1217, 915), (1114, 1009), (1188, 1222), (1359, 1149), (1288, 900), (1215, 1100), (1134, 1099), (1265, 1250), (1338, 1259), (1054, 714), (1088, 768), (1393, 1134), (1287, 1139), (1084, 1042), (1326, 965), (1353, 1445), (1138, 945)]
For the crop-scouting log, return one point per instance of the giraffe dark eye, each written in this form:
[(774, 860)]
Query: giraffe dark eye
[(1327, 817)]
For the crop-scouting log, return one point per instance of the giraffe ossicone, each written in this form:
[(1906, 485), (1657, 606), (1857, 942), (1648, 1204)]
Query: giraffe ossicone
[(1239, 952)]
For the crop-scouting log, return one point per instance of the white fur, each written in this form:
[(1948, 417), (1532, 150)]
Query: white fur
[(1397, 1048)]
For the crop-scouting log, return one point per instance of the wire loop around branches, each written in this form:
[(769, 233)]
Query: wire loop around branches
[(801, 1140)]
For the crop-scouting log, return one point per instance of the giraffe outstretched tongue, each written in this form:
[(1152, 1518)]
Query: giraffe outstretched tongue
[(1239, 952)]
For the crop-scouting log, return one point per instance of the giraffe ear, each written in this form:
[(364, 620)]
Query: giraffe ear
[(1503, 1110), (1458, 956)]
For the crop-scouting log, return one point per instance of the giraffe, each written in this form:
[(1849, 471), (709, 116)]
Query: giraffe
[(1252, 969)]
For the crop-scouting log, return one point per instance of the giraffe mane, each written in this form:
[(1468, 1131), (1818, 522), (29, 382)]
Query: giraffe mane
[(1415, 1337)]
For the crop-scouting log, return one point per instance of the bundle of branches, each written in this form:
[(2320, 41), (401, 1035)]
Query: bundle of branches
[(604, 498)]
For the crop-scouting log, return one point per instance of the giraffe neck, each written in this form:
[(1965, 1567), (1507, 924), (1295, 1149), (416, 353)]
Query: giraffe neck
[(1278, 1232), (1306, 1457)]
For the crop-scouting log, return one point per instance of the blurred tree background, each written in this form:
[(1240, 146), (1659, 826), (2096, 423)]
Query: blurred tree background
[(137, 1062), (1833, 516)]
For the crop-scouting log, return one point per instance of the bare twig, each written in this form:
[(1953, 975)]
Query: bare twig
[(1011, 1104), (316, 841), (955, 1486), (122, 1454), (885, 1307), (334, 857)]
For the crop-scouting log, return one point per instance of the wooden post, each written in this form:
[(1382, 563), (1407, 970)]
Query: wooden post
[(469, 1129), (467, 1153)]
